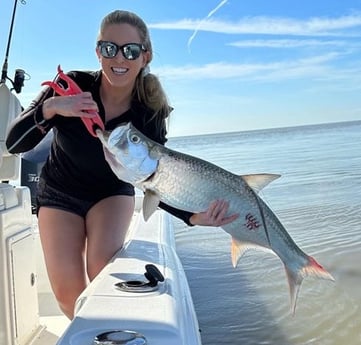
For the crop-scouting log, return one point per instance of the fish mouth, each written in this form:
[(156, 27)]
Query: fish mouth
[(117, 135)]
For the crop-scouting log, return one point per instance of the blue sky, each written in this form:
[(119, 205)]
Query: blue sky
[(225, 65)]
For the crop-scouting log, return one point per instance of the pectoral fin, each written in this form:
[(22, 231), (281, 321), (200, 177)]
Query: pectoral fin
[(150, 203), (258, 181)]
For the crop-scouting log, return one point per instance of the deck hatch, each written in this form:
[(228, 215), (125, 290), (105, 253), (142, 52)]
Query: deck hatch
[(120, 337)]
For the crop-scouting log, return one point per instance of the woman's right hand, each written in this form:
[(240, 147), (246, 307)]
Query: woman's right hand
[(215, 215), (70, 106)]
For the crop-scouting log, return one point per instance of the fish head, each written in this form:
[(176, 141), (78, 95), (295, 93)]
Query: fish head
[(128, 152)]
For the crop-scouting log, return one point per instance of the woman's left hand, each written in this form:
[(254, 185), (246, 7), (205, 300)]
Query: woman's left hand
[(214, 216)]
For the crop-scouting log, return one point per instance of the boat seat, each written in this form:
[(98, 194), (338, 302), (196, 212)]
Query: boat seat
[(10, 109)]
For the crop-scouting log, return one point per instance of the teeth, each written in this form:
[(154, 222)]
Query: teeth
[(119, 70)]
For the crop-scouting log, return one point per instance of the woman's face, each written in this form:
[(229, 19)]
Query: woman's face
[(119, 71)]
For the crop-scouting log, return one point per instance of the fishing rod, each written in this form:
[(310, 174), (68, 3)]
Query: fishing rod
[(19, 78)]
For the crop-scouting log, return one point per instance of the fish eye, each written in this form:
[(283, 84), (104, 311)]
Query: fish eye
[(135, 139)]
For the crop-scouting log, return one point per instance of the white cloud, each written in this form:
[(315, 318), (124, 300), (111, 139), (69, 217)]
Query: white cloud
[(316, 66), (317, 26), (288, 43)]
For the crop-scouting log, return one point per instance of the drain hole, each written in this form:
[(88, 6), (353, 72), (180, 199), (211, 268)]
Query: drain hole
[(135, 283)]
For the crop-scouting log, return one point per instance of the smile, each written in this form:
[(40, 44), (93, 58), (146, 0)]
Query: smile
[(119, 70)]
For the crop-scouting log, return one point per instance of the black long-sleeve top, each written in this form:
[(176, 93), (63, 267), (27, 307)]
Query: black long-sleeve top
[(76, 164)]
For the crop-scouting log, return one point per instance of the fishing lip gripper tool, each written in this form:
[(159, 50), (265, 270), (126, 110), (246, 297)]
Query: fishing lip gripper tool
[(91, 124)]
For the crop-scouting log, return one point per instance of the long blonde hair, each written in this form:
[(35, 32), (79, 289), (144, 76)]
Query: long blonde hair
[(148, 89)]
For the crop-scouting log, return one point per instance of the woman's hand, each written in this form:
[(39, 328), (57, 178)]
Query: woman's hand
[(214, 216), (75, 105)]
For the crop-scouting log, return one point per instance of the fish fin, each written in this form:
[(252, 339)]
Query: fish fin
[(258, 181), (295, 278), (238, 248), (294, 284), (150, 203)]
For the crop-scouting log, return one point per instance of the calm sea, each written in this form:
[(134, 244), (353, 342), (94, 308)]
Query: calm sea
[(318, 199)]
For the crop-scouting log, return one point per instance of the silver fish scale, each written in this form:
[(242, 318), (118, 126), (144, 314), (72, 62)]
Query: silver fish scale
[(189, 183)]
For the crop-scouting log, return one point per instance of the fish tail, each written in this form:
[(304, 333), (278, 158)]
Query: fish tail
[(295, 278)]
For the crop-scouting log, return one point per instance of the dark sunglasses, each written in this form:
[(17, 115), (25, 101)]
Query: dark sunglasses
[(130, 51)]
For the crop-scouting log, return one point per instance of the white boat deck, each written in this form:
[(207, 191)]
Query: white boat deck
[(164, 315)]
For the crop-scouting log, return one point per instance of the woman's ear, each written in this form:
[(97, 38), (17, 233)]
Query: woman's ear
[(146, 58), (98, 53)]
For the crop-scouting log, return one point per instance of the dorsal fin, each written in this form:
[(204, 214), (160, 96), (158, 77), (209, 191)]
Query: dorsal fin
[(258, 181)]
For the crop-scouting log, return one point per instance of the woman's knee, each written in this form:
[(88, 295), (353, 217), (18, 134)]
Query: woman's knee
[(96, 263), (66, 296), (95, 268)]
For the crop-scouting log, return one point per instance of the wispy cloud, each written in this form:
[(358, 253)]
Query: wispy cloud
[(319, 67), (210, 14), (349, 25), (336, 66), (289, 43)]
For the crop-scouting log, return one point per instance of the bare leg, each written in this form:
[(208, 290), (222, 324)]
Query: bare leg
[(63, 240), (107, 224), (65, 236)]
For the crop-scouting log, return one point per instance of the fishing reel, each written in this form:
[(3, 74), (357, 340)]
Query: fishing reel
[(19, 79)]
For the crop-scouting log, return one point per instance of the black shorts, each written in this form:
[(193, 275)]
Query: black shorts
[(50, 197)]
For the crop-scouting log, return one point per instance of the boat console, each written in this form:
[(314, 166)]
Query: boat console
[(19, 316)]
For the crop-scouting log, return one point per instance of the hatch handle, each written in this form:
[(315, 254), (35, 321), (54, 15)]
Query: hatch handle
[(153, 275)]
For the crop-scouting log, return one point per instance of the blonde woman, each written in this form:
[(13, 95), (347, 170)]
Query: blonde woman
[(84, 210)]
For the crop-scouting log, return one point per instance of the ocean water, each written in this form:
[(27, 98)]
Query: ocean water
[(318, 200)]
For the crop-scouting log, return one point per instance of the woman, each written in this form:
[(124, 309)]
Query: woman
[(84, 211)]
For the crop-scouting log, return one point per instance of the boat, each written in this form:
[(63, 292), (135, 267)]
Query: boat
[(141, 297)]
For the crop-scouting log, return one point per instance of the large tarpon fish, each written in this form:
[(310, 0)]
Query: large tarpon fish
[(191, 184)]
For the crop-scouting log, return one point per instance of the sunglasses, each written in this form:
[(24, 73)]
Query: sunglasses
[(130, 51)]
